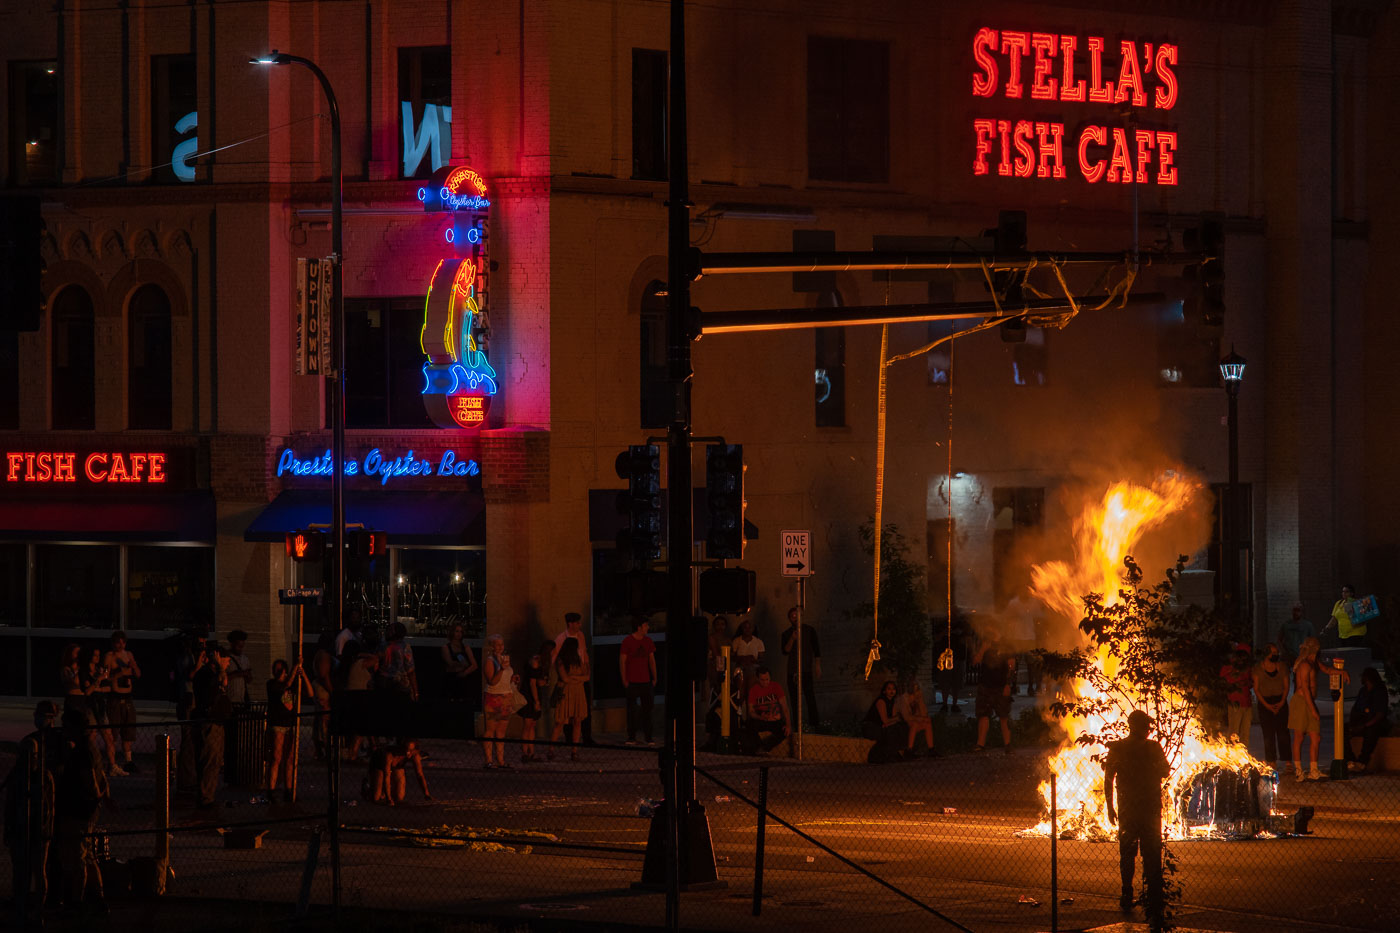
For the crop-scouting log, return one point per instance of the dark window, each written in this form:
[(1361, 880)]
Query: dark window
[(169, 587), (74, 358), (1017, 513), (148, 371), (14, 574), (384, 363), (1029, 359), (1188, 351), (940, 586), (173, 117), (655, 389), (940, 358), (848, 109), (425, 109), (830, 370), (75, 585), (649, 98), (9, 380), (1244, 535), (35, 120)]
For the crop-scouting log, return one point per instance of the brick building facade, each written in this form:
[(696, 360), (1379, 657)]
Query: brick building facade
[(812, 122)]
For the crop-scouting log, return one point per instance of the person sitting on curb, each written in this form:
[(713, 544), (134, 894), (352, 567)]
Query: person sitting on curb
[(884, 727), (767, 723), (386, 780)]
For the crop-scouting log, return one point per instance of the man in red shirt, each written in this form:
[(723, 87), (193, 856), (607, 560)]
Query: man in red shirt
[(637, 659), (767, 710)]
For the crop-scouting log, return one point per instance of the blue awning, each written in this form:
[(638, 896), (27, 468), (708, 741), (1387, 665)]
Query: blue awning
[(442, 518)]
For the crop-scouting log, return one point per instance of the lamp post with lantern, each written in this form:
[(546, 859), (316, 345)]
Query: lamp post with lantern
[(1232, 373)]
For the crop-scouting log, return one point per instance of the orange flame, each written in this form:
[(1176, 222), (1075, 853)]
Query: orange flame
[(1104, 534)]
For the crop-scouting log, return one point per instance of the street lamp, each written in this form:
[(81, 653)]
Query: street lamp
[(1232, 373), (337, 373)]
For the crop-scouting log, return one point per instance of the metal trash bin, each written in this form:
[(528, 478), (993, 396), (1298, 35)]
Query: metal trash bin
[(245, 748)]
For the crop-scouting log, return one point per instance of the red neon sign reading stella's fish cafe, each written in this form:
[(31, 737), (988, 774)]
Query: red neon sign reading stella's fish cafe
[(1054, 67)]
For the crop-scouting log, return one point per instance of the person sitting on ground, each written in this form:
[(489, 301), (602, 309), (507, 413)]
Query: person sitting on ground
[(883, 725), (1368, 720), (386, 780), (912, 710), (768, 723)]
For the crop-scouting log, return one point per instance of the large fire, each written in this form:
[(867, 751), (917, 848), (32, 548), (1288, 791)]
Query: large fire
[(1104, 534)]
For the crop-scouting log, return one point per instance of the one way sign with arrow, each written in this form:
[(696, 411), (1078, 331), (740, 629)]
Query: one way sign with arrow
[(797, 554)]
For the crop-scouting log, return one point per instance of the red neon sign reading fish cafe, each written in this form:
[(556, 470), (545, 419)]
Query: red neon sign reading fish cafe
[(1052, 67), (54, 466)]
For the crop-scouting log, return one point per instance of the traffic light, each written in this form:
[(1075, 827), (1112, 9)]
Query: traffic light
[(727, 589), (640, 465), (724, 488), (368, 544), (1212, 274), (306, 545), (21, 266)]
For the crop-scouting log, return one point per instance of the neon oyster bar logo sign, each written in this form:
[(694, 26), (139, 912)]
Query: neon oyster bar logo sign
[(379, 465), (1053, 67)]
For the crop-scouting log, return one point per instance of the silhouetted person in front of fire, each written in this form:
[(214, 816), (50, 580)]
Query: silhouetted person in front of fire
[(1138, 766)]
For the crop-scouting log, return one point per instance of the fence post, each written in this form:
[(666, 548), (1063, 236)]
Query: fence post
[(162, 807), (762, 836), (1054, 860), (333, 815)]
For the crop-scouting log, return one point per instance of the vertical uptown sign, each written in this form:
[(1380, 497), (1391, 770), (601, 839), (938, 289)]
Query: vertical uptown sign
[(458, 380), (1045, 67)]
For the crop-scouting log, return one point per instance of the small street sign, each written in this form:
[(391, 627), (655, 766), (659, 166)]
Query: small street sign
[(796, 554), (300, 596)]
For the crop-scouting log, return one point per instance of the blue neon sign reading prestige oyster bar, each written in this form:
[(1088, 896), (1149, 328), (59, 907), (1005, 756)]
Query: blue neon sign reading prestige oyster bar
[(377, 464)]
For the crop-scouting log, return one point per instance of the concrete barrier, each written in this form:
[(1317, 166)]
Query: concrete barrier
[(1386, 757)]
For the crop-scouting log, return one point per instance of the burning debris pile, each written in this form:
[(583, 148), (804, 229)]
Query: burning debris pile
[(1136, 641)]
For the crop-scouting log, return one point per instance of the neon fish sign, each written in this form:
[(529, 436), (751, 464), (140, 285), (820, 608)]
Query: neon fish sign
[(458, 379)]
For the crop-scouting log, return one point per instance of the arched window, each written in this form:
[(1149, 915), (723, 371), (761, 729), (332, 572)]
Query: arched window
[(148, 364), (73, 343), (655, 390)]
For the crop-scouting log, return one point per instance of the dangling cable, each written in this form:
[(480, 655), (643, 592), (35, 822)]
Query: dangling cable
[(945, 660), (874, 654)]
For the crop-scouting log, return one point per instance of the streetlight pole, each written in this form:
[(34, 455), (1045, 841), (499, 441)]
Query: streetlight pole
[(1232, 372), (336, 379)]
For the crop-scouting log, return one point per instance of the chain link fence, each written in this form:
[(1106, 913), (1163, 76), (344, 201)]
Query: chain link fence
[(951, 839)]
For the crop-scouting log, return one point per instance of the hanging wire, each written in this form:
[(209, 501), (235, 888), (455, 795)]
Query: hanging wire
[(945, 660), (874, 654), (1119, 292)]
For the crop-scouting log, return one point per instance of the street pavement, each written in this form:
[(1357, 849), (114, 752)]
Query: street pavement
[(943, 830)]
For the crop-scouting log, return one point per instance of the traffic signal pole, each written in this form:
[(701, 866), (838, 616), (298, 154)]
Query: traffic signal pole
[(686, 850)]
